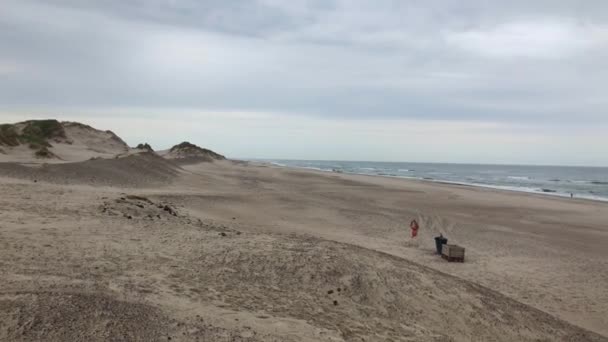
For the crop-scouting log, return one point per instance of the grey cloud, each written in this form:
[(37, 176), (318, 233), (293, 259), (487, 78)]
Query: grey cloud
[(349, 59), (249, 18)]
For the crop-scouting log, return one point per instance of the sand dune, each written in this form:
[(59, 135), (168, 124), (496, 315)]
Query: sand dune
[(62, 142), (187, 153), (136, 170), (88, 142), (146, 251)]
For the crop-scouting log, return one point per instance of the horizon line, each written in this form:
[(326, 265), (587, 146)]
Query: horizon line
[(419, 162)]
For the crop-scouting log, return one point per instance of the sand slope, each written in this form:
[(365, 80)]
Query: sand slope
[(234, 252), (134, 170), (88, 142)]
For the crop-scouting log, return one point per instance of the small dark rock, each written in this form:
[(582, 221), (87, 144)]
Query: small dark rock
[(330, 291), (223, 234), (335, 302), (339, 289)]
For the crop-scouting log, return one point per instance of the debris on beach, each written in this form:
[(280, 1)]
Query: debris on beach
[(134, 206)]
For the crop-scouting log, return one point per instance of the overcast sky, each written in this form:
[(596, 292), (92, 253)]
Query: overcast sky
[(440, 81)]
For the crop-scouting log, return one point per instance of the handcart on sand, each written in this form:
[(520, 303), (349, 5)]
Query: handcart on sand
[(453, 253), (449, 252)]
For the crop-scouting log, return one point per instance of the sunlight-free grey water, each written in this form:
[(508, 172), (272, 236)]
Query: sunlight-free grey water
[(582, 182)]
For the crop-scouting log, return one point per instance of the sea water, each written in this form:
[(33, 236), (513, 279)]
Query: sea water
[(581, 182)]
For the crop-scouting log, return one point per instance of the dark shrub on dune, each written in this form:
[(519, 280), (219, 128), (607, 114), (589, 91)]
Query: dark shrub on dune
[(35, 133), (145, 146)]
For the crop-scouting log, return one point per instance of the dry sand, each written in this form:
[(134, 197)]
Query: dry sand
[(224, 251)]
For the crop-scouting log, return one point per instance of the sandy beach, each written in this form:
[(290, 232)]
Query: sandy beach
[(285, 171), (235, 251)]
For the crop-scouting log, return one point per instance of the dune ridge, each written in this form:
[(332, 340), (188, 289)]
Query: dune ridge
[(51, 141), (188, 153)]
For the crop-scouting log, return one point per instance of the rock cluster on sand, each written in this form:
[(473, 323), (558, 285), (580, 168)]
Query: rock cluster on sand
[(138, 207)]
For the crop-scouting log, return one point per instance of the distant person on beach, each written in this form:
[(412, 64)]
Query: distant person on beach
[(571, 195), (414, 227)]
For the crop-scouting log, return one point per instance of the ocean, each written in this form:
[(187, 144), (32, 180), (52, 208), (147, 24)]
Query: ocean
[(582, 182)]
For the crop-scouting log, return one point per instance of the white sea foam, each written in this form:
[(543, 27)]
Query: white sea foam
[(519, 177)]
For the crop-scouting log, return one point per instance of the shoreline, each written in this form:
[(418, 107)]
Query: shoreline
[(541, 194)]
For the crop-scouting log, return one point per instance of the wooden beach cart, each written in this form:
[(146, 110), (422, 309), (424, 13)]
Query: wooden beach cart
[(452, 253)]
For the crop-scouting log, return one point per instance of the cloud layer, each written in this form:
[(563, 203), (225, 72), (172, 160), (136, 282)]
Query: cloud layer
[(517, 65)]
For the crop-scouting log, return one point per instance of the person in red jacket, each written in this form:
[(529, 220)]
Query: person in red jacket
[(414, 227)]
